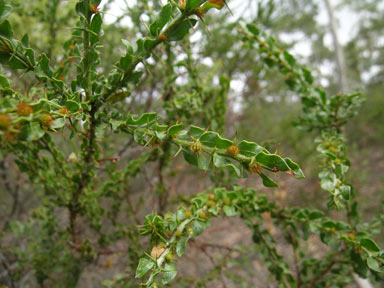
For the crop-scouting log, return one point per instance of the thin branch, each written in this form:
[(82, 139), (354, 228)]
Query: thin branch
[(326, 270)]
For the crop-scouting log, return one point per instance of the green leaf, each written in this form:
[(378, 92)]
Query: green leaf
[(359, 264), (179, 32), (96, 27), (190, 157), (290, 59), (272, 161), (191, 4), (58, 123), (180, 215), (307, 75), (194, 159), (249, 149), (125, 61), (345, 191), (149, 44), (181, 245), (223, 143), (322, 94), (128, 46), (30, 54), (195, 131), (44, 65), (4, 82), (72, 106), (143, 119), (374, 265), (140, 47), (342, 226), (268, 182), (175, 129), (81, 8), (209, 139), (135, 77), (169, 273), (12, 62), (162, 19), (327, 185), (223, 162), (198, 227), (116, 124), (316, 214), (328, 225), (253, 29), (161, 128), (100, 130), (229, 211), (4, 9), (6, 30), (31, 132), (25, 41), (369, 244), (295, 168), (203, 162), (144, 266)]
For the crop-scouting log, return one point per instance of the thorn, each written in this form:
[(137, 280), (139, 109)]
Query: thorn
[(226, 5), (206, 129)]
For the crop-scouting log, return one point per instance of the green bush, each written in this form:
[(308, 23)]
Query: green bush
[(64, 133)]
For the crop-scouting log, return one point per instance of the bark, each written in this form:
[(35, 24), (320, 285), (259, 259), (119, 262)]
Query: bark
[(339, 55), (362, 283)]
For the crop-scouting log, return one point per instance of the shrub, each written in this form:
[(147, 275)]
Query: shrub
[(61, 134)]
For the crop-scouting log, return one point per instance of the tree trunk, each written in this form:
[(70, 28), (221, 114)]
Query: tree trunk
[(339, 55)]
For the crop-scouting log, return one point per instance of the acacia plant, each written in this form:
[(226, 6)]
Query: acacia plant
[(61, 132)]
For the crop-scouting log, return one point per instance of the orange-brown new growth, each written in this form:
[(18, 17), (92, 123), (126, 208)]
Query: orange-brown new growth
[(63, 110), (182, 4), (71, 46), (23, 109), (219, 3), (94, 8), (255, 168), (4, 49), (163, 37), (157, 251), (5, 121), (200, 12), (46, 120), (196, 147), (9, 136), (233, 150), (203, 215), (156, 142)]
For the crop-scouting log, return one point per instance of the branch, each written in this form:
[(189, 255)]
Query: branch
[(327, 269)]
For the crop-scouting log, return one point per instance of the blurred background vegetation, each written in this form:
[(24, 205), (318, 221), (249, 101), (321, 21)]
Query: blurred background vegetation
[(259, 107)]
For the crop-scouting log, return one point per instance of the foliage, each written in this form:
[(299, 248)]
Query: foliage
[(59, 133)]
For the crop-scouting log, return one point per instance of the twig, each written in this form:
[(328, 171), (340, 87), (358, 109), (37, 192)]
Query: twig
[(326, 270)]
